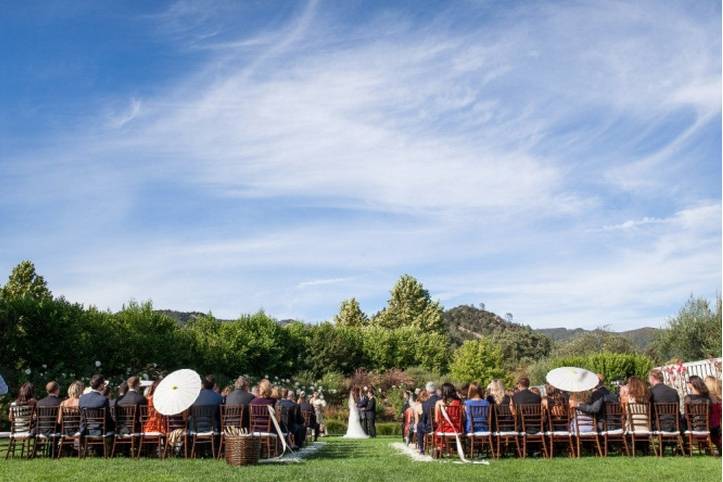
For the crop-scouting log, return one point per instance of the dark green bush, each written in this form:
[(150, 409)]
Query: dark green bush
[(614, 366)]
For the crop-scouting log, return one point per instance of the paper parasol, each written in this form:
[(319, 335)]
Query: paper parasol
[(177, 392), (3, 386), (572, 379)]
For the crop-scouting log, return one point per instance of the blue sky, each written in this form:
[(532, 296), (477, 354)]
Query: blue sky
[(557, 160)]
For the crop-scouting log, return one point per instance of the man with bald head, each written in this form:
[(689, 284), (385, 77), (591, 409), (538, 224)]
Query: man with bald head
[(53, 398)]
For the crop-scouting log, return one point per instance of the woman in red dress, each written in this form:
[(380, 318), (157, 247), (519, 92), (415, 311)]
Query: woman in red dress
[(452, 405), (155, 422)]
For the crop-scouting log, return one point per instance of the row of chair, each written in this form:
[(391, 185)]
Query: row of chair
[(523, 427), (55, 431)]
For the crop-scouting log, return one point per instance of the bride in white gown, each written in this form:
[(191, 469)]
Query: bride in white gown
[(354, 428)]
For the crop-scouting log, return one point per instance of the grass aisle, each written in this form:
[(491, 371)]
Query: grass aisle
[(371, 460)]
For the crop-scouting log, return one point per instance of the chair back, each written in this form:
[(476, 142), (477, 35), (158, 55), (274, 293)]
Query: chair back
[(429, 412), (638, 417), (505, 420), (283, 414), (231, 416), (203, 418), (69, 421), (582, 422), (614, 416), (125, 419), (532, 418), (93, 419), (175, 422), (697, 416), (22, 416), (260, 419), (454, 412), (667, 417), (558, 416), (46, 421), (479, 417)]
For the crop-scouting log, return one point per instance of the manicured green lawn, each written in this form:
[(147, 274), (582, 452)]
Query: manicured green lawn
[(371, 460)]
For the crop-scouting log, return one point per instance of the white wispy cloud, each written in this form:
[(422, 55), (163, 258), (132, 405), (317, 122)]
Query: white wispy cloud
[(510, 160)]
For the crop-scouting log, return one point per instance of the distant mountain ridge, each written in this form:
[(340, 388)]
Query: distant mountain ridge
[(466, 322), (640, 337)]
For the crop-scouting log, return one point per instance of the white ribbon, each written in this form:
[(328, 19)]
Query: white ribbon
[(460, 448), (284, 446)]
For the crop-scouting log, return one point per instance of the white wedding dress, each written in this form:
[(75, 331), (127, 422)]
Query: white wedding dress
[(354, 428)]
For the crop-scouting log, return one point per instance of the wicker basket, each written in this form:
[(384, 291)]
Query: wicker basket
[(242, 449)]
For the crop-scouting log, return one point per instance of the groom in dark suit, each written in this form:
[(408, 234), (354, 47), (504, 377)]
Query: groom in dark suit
[(370, 414), (361, 404)]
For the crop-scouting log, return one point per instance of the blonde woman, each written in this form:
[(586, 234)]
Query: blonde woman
[(496, 393), (75, 390)]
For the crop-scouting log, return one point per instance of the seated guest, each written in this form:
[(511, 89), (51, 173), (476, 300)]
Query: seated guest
[(661, 393), (597, 402), (208, 397), (95, 399), (634, 391), (255, 391), (418, 407), (74, 392), (307, 408), (697, 391), (454, 421), (154, 422), (714, 390), (555, 401), (122, 390), (26, 397), (264, 397), (276, 393), (292, 421), (525, 396), (226, 390), (580, 420), (425, 424), (132, 397), (476, 419), (496, 395), (53, 398), (241, 397)]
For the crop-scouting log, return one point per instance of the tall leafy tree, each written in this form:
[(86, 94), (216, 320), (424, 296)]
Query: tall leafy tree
[(693, 334), (350, 314), (410, 305), (477, 360), (24, 281)]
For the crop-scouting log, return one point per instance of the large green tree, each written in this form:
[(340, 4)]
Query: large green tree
[(410, 305), (350, 314), (24, 281), (693, 334), (477, 361)]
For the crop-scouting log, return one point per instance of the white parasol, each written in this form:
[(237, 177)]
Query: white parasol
[(177, 392), (572, 379), (3, 386)]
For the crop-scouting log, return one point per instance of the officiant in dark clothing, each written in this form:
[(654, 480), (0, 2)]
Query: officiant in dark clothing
[(361, 404), (370, 414)]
